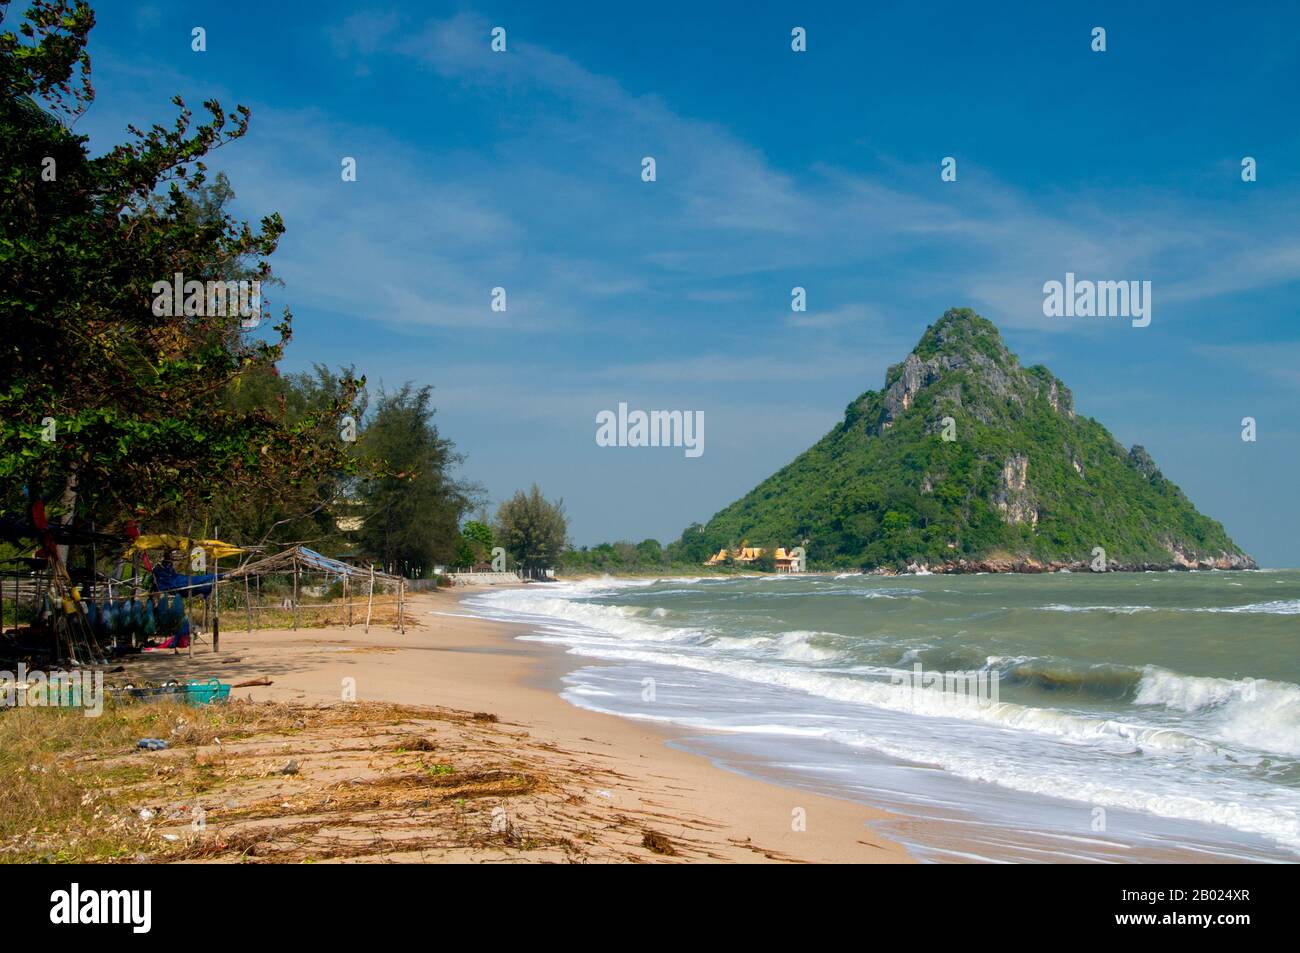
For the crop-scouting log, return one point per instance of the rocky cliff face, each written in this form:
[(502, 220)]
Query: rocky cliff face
[(1013, 498), (965, 461)]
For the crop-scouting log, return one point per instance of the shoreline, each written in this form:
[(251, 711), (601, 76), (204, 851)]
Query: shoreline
[(958, 568), (935, 814), (732, 797), (457, 660)]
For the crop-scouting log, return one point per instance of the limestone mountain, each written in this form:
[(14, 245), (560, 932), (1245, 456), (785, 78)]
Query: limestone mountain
[(965, 461)]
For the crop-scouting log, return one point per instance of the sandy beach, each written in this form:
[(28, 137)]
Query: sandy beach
[(600, 788)]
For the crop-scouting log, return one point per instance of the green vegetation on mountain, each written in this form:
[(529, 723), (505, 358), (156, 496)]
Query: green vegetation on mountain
[(964, 456)]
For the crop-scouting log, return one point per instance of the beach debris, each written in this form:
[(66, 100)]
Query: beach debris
[(605, 794), (485, 716), (464, 792), (657, 843), (253, 682), (151, 744), (171, 837), (501, 823)]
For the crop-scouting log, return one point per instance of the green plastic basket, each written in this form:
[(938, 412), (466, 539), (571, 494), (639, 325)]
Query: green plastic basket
[(206, 693)]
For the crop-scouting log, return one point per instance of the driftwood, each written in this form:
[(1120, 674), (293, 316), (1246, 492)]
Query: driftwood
[(252, 683)]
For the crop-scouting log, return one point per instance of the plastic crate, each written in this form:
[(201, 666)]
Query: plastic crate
[(206, 693), (193, 692)]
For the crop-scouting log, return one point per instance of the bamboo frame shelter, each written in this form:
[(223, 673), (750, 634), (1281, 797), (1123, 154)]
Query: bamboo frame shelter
[(203, 555), (361, 586)]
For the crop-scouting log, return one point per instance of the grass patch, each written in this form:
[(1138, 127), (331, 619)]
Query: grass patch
[(56, 807), (81, 791), (315, 615), (73, 784)]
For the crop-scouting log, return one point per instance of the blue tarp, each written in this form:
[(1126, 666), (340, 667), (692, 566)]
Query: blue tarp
[(168, 579), (309, 560), (325, 563)]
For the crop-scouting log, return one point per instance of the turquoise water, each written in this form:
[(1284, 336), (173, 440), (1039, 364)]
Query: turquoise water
[(1172, 696)]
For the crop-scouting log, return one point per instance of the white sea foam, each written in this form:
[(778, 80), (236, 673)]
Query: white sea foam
[(797, 647), (1219, 721), (1119, 610), (1280, 821), (1038, 772), (1256, 713), (1277, 607), (1187, 692), (636, 640)]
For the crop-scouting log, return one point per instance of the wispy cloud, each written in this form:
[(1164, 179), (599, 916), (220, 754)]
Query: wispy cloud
[(757, 371), (1280, 361), (522, 170), (994, 245)]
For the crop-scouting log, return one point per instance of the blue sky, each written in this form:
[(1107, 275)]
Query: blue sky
[(775, 169)]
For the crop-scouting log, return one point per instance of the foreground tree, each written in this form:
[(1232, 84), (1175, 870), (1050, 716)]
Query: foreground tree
[(278, 510), (532, 529), (106, 403), (412, 510), (475, 546)]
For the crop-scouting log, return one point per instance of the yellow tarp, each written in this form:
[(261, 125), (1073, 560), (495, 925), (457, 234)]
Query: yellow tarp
[(215, 548)]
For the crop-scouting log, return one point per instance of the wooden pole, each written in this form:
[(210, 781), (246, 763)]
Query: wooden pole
[(347, 595), (190, 590), (248, 604), (370, 601), (295, 593), (401, 605), (216, 601), (94, 562)]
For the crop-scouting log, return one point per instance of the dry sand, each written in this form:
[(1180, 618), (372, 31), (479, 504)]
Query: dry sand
[(568, 784)]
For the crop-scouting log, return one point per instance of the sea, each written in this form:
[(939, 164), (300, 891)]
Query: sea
[(1083, 717)]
